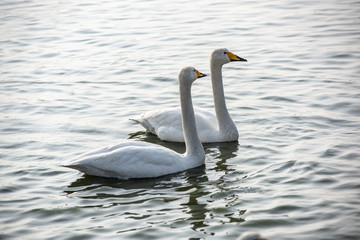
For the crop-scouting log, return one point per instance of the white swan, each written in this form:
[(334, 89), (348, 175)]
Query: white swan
[(133, 159), (166, 123), (251, 236)]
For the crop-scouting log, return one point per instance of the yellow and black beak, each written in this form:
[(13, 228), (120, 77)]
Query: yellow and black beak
[(199, 74), (233, 57)]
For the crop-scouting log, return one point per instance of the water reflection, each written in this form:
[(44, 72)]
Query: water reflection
[(88, 183), (188, 187), (195, 207), (186, 194), (222, 152)]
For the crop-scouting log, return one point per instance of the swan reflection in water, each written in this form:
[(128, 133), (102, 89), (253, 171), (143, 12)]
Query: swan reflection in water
[(186, 195)]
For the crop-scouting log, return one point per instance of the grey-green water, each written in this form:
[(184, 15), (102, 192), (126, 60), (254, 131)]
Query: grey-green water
[(74, 72)]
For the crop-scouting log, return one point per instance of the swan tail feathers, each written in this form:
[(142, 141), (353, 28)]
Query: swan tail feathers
[(136, 120), (145, 123)]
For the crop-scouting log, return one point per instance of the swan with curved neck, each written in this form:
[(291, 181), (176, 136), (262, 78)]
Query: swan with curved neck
[(166, 123), (134, 159)]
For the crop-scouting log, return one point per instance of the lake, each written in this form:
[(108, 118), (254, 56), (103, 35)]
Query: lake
[(74, 72)]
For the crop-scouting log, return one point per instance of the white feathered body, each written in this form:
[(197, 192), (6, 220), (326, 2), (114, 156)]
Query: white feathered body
[(166, 124), (131, 159)]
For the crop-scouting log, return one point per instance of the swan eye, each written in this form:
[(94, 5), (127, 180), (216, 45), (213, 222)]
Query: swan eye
[(224, 52)]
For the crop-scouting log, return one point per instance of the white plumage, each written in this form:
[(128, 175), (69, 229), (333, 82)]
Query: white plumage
[(134, 159), (166, 123), (158, 123)]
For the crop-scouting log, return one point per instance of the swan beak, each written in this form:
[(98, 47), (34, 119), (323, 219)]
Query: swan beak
[(199, 74), (233, 57)]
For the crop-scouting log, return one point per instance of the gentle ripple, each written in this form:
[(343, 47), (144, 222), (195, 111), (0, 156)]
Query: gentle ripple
[(73, 73)]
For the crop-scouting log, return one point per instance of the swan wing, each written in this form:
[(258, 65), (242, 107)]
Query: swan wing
[(129, 160), (111, 148), (167, 117), (205, 119), (166, 123)]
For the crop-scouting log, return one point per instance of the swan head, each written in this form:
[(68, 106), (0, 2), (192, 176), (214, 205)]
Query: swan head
[(251, 236), (222, 56), (189, 74)]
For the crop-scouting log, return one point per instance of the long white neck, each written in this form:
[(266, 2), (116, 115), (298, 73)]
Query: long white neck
[(192, 141), (224, 120)]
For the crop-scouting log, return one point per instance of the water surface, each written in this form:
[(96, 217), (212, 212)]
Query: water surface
[(73, 73)]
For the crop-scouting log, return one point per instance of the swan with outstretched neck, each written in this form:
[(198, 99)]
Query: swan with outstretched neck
[(166, 123), (133, 159)]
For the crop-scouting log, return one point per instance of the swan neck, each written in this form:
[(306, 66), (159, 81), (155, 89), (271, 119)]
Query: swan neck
[(222, 114), (192, 141)]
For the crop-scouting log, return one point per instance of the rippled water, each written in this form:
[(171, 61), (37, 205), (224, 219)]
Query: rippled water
[(74, 72)]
